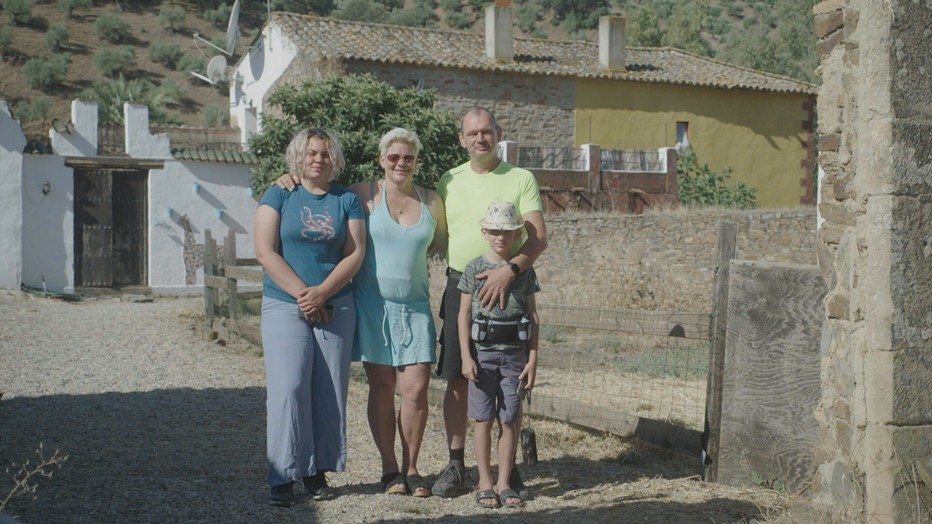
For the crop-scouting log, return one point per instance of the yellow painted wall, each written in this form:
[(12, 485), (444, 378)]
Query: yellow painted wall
[(759, 134)]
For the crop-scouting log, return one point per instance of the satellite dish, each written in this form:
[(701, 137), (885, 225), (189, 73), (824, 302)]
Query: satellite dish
[(217, 69), (232, 33), (233, 28)]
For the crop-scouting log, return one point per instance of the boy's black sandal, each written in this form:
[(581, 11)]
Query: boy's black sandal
[(394, 484), (488, 495), (510, 494)]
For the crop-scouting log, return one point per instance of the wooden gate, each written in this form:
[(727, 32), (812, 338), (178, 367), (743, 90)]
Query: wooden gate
[(110, 227)]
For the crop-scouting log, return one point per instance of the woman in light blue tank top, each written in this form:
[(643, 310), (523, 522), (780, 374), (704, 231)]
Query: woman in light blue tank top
[(395, 336)]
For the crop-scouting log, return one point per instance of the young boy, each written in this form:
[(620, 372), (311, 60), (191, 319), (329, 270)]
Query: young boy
[(504, 358)]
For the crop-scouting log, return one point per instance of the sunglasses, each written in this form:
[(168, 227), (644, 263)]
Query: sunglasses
[(394, 158)]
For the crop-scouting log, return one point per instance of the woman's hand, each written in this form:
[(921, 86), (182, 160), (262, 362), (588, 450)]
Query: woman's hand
[(288, 182), (469, 369), (311, 300)]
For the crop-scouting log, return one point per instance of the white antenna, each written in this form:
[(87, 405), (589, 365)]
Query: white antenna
[(232, 32), (216, 71)]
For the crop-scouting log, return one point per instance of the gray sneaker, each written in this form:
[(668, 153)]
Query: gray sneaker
[(452, 479)]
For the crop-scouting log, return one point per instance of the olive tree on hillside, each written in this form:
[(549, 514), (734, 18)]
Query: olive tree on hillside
[(359, 109)]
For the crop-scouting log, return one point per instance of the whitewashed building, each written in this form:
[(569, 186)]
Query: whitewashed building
[(130, 213)]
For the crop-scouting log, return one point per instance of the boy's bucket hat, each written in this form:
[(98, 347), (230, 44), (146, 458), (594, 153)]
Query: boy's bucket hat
[(501, 215)]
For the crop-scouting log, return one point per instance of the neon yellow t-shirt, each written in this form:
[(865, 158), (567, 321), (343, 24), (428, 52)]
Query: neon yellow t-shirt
[(467, 195)]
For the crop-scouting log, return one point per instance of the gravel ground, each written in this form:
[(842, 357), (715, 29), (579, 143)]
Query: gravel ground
[(161, 425)]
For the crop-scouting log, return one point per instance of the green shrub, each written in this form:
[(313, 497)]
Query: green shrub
[(68, 6), (46, 72), (19, 11), (114, 60), (35, 109), (55, 37), (219, 17), (457, 20), (172, 18), (111, 28), (111, 95), (191, 62), (216, 115), (699, 186), (6, 38), (165, 54)]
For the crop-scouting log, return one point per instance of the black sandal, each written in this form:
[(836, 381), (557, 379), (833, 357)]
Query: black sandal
[(417, 486), (487, 494), (394, 484)]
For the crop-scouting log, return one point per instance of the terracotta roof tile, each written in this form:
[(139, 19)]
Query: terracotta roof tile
[(391, 44)]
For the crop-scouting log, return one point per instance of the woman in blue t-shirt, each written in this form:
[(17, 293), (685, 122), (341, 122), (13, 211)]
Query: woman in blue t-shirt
[(310, 243)]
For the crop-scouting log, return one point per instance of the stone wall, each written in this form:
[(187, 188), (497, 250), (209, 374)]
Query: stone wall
[(548, 120), (875, 252), (656, 261)]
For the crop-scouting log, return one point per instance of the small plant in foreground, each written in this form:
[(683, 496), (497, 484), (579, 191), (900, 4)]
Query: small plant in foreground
[(25, 476)]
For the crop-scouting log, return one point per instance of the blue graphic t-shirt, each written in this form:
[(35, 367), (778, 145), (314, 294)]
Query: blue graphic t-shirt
[(312, 231)]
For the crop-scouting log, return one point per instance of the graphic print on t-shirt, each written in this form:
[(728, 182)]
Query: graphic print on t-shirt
[(317, 227)]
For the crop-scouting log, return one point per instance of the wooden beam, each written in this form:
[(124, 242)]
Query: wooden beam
[(245, 273), (213, 282), (725, 252)]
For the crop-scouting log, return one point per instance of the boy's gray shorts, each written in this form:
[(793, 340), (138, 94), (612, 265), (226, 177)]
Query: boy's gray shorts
[(495, 394)]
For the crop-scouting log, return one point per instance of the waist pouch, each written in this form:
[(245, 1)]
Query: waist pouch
[(500, 331)]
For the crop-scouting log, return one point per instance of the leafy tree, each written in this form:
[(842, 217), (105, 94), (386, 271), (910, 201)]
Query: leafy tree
[(19, 11), (111, 95), (35, 109), (113, 60), (46, 72), (359, 109), (684, 30), (68, 6), (111, 28), (699, 186), (172, 18), (6, 38), (165, 53), (55, 37), (643, 28)]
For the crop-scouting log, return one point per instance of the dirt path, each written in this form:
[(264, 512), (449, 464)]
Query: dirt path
[(163, 426)]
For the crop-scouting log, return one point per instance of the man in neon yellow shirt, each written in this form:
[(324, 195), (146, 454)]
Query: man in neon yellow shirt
[(467, 190)]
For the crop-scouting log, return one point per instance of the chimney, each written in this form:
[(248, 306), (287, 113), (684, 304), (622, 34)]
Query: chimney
[(499, 44), (612, 42)]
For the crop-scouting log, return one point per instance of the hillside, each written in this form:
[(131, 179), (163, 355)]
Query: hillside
[(751, 33)]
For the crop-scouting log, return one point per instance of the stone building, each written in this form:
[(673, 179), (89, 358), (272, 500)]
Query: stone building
[(562, 94), (875, 243)]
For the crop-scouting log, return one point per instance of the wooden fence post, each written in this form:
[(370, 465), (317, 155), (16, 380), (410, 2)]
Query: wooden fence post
[(711, 437), (229, 260), (210, 269)]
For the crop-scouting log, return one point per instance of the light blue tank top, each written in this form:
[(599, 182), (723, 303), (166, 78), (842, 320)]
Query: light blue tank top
[(395, 267)]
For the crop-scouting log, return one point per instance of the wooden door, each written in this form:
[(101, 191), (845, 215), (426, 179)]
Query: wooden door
[(110, 227)]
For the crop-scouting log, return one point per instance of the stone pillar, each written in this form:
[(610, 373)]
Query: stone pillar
[(875, 150)]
